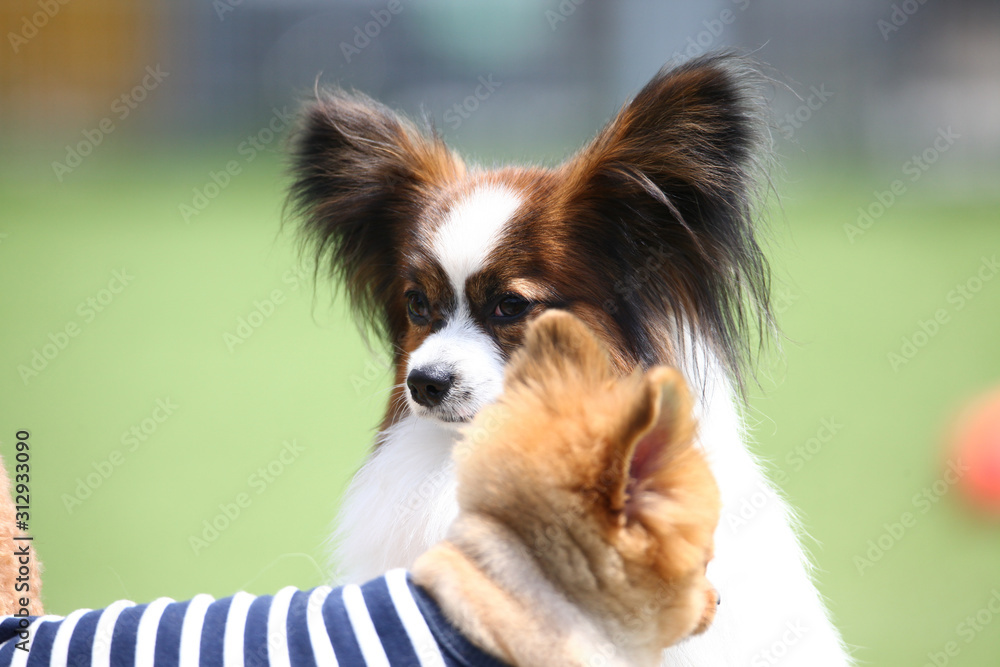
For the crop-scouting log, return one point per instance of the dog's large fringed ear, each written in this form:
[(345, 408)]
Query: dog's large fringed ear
[(558, 347), (673, 180), (361, 174)]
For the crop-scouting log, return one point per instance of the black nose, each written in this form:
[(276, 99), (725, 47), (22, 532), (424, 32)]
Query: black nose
[(428, 387)]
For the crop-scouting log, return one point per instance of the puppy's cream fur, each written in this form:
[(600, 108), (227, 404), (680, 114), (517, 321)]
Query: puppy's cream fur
[(586, 514)]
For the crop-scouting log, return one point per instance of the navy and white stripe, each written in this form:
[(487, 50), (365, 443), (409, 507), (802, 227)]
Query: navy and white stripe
[(386, 622)]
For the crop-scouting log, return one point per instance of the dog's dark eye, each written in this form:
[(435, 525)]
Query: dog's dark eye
[(511, 306), (416, 306)]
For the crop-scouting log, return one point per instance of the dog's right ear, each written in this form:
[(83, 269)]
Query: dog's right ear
[(361, 176)]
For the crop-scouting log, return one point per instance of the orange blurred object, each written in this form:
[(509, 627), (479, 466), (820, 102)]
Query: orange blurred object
[(977, 445)]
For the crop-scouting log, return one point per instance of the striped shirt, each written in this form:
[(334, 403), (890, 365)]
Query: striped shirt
[(387, 621)]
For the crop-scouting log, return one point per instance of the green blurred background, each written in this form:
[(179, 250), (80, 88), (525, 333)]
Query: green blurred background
[(280, 418)]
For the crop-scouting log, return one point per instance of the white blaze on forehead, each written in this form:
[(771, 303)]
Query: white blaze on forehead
[(471, 230)]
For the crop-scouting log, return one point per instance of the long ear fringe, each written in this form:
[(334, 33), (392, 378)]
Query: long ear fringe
[(739, 317), (688, 160), (359, 174)]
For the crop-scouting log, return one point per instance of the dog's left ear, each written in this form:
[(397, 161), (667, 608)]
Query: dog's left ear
[(558, 347), (671, 182)]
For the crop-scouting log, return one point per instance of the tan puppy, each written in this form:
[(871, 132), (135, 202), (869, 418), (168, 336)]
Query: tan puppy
[(17, 586), (586, 514)]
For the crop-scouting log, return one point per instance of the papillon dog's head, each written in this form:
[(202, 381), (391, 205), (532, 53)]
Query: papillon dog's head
[(645, 234)]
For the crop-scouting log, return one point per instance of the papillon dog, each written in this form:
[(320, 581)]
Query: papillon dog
[(647, 235)]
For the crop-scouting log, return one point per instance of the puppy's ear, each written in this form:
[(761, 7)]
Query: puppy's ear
[(673, 426), (362, 175), (656, 430), (558, 348), (670, 184)]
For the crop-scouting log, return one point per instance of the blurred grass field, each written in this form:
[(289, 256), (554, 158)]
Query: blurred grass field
[(305, 377)]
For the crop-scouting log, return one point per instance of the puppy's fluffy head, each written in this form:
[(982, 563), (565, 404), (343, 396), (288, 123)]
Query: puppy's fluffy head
[(598, 478)]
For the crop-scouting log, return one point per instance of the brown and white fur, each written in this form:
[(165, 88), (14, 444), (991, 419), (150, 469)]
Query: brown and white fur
[(586, 512), (647, 235)]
